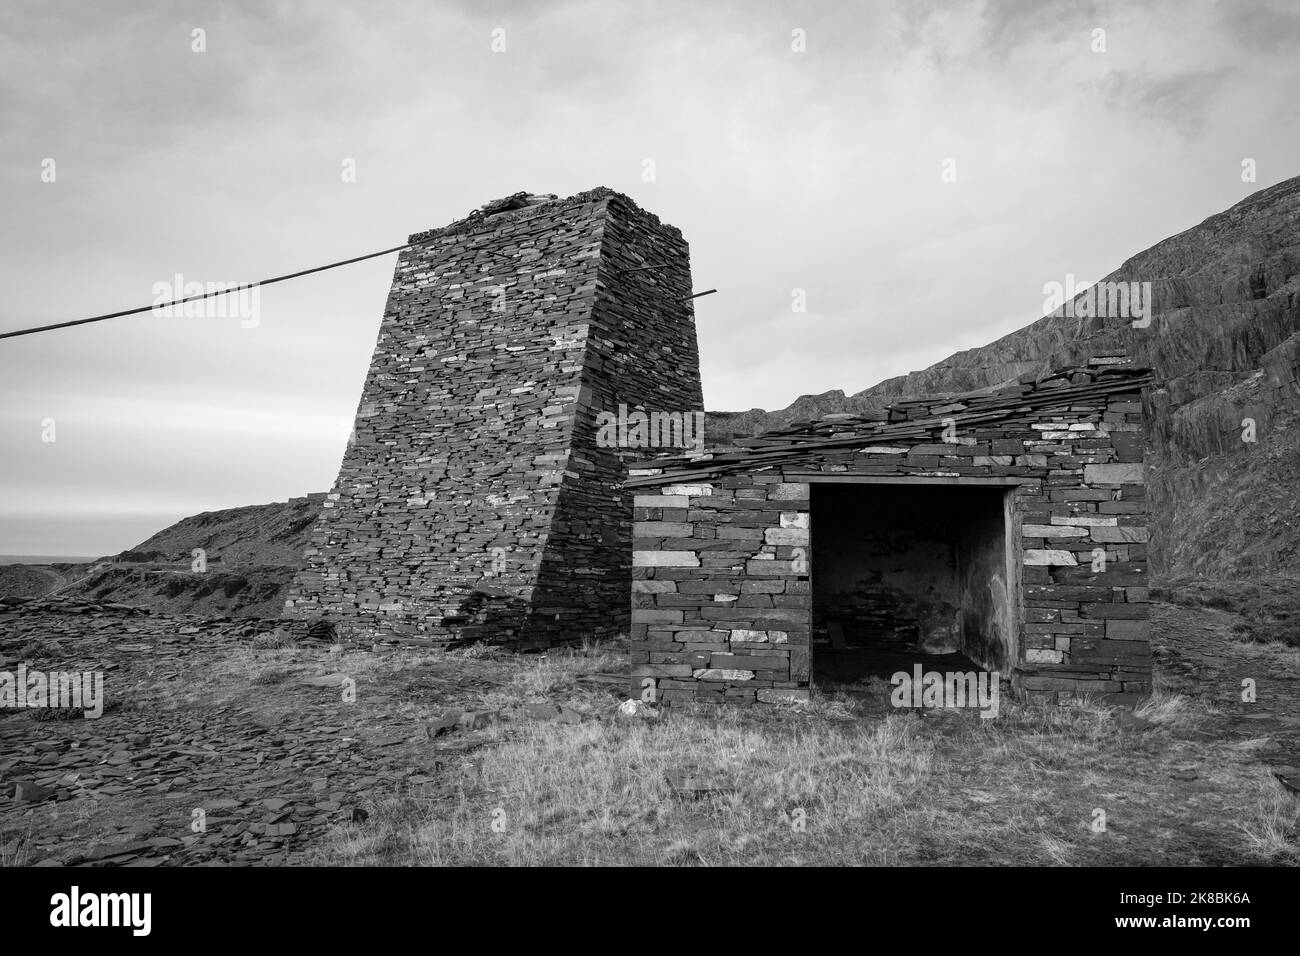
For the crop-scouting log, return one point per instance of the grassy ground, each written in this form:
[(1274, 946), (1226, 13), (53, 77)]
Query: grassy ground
[(1267, 608), (825, 784), (840, 780)]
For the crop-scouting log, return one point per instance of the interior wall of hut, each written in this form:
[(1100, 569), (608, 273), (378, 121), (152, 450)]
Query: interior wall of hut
[(903, 574)]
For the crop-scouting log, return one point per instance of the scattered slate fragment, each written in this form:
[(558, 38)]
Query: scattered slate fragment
[(477, 719), (1127, 720), (1289, 778), (442, 725), (693, 785), (26, 791), (113, 850)]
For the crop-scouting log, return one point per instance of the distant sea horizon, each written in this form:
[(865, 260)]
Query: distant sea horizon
[(44, 559)]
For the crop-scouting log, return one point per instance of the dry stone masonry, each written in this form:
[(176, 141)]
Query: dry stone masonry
[(1040, 489), (475, 499)]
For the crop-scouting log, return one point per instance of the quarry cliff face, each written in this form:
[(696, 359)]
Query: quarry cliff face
[(1224, 417)]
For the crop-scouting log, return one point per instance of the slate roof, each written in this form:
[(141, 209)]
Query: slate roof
[(901, 423)]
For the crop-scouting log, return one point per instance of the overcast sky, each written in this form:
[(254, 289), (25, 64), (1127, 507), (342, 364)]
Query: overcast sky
[(819, 170)]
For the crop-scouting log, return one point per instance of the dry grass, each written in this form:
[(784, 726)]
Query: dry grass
[(841, 780), (271, 675), (1276, 653), (822, 785), (1268, 609), (230, 678), (273, 641), (16, 848), (1271, 834), (1174, 711), (600, 792)]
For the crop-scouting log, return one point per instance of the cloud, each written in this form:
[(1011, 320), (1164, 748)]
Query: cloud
[(817, 170), (1184, 101), (1262, 26)]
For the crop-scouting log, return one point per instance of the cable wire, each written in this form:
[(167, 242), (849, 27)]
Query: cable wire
[(248, 285), (205, 295)]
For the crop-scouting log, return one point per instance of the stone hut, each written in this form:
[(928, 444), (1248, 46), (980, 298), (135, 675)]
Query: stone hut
[(1005, 531)]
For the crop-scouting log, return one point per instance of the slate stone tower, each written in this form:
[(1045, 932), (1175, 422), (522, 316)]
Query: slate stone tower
[(475, 499)]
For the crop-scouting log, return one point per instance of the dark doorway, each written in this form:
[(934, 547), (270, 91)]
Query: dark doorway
[(908, 574)]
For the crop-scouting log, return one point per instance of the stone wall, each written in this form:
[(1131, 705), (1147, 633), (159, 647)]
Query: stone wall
[(721, 595), (474, 500)]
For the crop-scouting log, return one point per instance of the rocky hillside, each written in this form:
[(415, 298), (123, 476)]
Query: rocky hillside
[(34, 580), (252, 553), (272, 534), (250, 591), (1224, 339)]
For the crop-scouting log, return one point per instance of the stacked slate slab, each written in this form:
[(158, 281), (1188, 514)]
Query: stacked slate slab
[(474, 500), (722, 581)]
